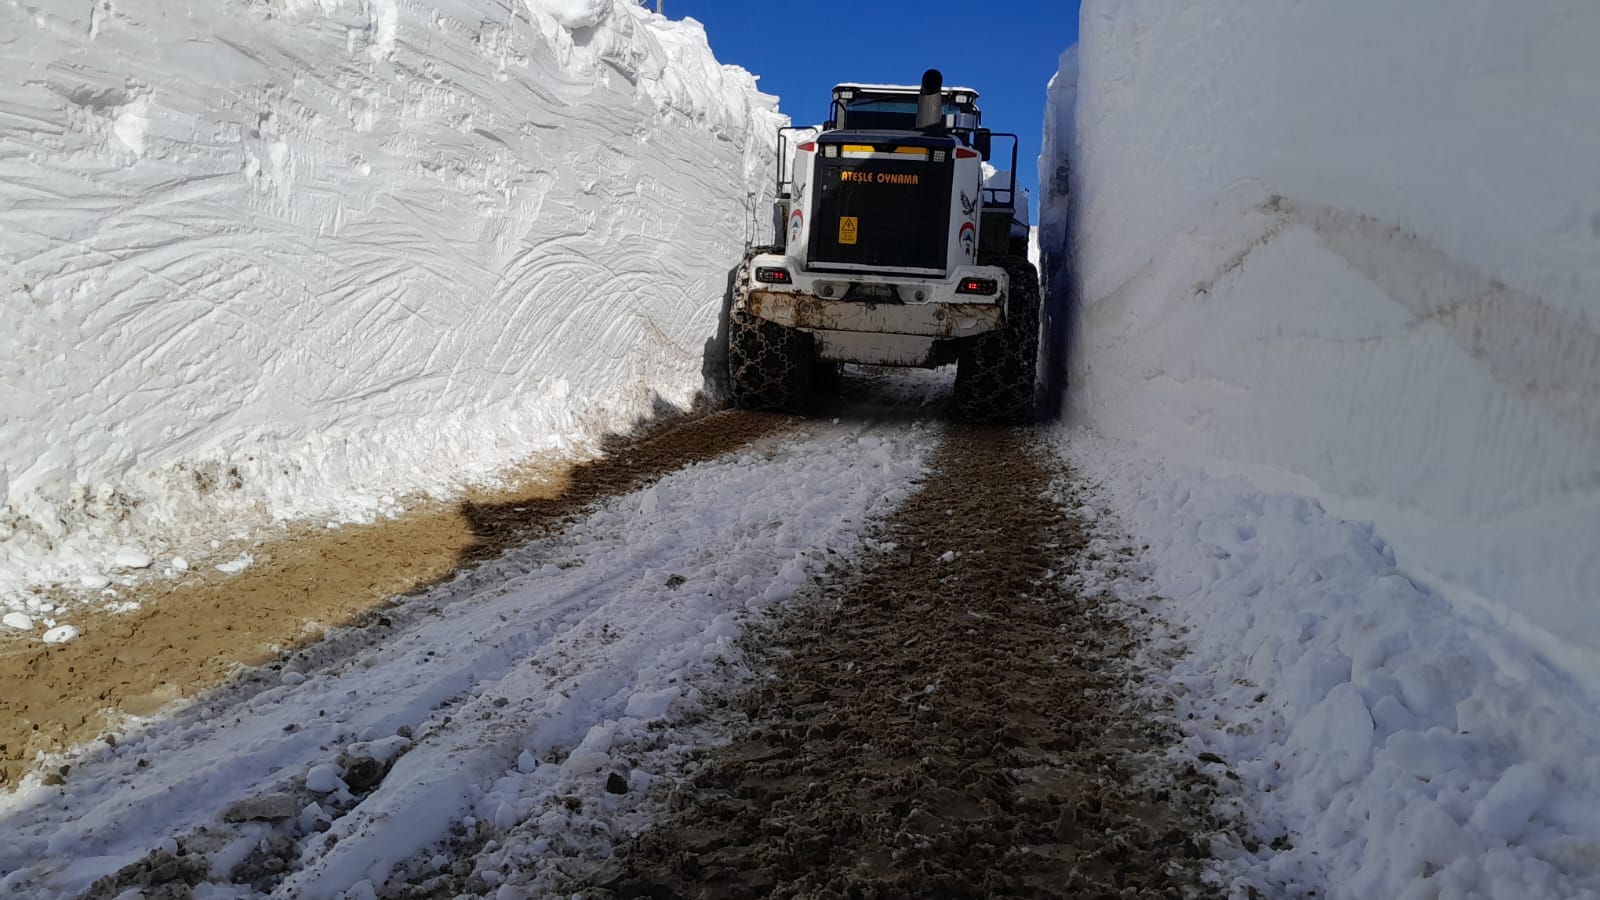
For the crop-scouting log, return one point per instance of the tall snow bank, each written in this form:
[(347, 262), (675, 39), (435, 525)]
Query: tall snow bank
[(1349, 249), (1051, 251), (299, 257)]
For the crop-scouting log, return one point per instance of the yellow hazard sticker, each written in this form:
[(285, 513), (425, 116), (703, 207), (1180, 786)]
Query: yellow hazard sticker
[(847, 229)]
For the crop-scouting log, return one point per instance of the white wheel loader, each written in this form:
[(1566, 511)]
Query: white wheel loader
[(890, 251)]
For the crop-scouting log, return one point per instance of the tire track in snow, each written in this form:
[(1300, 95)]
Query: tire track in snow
[(188, 638), (490, 701), (955, 720)]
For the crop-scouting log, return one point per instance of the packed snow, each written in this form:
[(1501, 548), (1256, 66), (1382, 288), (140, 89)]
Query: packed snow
[(1402, 748), (1348, 250), (505, 699), (305, 259), (1322, 295)]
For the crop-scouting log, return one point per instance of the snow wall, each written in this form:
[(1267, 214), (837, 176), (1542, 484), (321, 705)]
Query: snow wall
[(294, 258), (1350, 249)]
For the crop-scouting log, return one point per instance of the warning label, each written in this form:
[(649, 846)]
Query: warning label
[(847, 229)]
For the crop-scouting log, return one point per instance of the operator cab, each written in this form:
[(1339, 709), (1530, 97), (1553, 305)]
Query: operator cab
[(894, 107), (876, 189), (881, 107)]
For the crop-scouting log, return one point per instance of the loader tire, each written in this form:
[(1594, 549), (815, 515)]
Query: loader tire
[(827, 379), (769, 366), (996, 372)]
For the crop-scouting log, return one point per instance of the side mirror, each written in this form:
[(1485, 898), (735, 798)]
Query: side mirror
[(980, 142)]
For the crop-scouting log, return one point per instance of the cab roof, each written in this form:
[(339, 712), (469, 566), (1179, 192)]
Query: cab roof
[(899, 88)]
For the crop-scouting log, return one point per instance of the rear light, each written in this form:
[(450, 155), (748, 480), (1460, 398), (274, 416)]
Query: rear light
[(981, 286), (773, 275), (808, 146), (964, 153)]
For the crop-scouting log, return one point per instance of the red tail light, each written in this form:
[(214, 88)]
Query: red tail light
[(773, 275), (981, 286), (808, 146), (964, 153)]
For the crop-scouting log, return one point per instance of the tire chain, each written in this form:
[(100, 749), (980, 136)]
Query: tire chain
[(769, 366), (995, 375)]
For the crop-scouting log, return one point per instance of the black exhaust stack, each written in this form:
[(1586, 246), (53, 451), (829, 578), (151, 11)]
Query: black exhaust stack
[(930, 104)]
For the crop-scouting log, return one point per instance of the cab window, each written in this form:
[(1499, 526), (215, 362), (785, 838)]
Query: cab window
[(877, 113)]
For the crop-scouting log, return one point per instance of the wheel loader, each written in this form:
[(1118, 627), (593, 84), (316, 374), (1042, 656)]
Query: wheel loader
[(890, 250)]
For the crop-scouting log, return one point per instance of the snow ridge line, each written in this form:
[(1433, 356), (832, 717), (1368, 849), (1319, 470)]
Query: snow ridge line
[(1421, 394), (1531, 347)]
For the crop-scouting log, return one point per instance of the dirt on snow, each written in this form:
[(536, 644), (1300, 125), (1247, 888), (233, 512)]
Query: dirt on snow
[(193, 634), (950, 721), (945, 717)]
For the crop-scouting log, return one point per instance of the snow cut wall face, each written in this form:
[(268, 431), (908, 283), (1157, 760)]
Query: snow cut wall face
[(298, 257), (1352, 249)]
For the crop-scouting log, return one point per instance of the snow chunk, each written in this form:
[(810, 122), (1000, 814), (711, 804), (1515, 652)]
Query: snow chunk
[(1505, 811), (384, 25), (639, 781), (505, 816), (383, 750), (574, 14), (17, 620), (236, 566), (650, 704), (311, 814), (94, 581), (595, 749), (1425, 755), (324, 778), (1436, 838), (132, 558), (131, 125), (60, 634), (1313, 676), (527, 762)]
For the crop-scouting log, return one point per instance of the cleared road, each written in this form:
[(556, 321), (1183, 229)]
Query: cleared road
[(736, 629)]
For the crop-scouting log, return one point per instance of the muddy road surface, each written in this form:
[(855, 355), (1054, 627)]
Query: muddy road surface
[(946, 721), (741, 656)]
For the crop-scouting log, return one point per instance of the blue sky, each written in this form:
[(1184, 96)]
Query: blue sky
[(1005, 50)]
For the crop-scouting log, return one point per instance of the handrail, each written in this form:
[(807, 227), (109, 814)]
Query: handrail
[(992, 194)]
